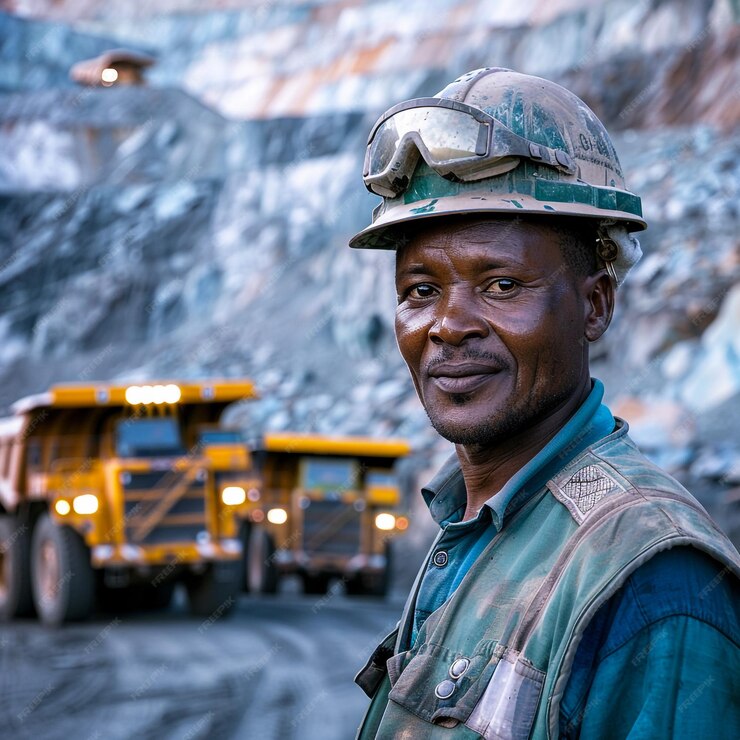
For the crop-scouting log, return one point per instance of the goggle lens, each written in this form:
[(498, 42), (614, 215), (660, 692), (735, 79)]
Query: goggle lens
[(447, 134)]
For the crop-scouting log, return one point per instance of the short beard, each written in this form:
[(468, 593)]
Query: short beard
[(494, 430)]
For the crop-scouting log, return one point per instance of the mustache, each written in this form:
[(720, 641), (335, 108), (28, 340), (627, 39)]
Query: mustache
[(450, 354)]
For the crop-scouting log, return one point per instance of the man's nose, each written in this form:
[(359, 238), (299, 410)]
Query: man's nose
[(458, 319)]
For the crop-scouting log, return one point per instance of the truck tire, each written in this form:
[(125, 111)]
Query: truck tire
[(372, 584), (159, 596), (368, 584), (261, 569), (116, 601), (244, 531), (62, 578), (135, 598), (315, 584), (214, 592), (15, 568)]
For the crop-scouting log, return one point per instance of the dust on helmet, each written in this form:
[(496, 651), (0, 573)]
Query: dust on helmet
[(497, 141)]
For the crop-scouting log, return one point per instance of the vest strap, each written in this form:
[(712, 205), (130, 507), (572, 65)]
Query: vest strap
[(600, 515)]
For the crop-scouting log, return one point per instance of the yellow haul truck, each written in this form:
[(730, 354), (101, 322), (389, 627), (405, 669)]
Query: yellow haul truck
[(325, 507), (118, 492)]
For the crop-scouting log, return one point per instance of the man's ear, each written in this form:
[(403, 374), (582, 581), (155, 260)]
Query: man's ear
[(599, 297)]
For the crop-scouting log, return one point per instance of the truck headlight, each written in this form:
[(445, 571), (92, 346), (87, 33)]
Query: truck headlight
[(62, 507), (233, 495), (385, 521), (277, 516), (157, 394), (109, 75), (85, 503)]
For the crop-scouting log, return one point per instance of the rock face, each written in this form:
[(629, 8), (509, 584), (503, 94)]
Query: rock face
[(198, 226)]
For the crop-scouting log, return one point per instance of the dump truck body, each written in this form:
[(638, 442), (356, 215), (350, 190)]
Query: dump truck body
[(328, 507), (139, 478)]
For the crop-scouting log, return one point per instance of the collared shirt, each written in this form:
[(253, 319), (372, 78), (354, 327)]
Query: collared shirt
[(462, 542)]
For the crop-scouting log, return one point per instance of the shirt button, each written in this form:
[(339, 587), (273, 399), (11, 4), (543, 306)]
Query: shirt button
[(445, 689), (440, 558), (459, 667)]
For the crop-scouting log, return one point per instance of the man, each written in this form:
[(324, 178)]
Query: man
[(574, 589)]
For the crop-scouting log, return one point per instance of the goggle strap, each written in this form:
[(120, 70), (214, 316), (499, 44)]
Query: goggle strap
[(557, 158), (519, 146)]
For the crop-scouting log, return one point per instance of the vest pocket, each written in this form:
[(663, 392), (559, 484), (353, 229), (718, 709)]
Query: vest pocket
[(506, 709), (439, 685)]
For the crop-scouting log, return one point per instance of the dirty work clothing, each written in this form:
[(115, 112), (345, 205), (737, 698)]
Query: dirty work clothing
[(494, 659), (461, 542)]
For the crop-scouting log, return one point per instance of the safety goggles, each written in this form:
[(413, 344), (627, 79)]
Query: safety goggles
[(458, 141)]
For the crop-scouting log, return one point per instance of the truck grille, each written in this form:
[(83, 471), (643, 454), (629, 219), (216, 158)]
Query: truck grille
[(144, 496), (331, 527)]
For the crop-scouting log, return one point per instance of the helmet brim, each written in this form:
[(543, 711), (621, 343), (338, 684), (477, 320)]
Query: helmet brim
[(386, 232)]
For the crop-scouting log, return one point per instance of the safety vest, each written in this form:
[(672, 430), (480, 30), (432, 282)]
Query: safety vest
[(494, 660)]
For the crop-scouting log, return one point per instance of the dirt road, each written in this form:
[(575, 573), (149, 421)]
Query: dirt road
[(277, 668)]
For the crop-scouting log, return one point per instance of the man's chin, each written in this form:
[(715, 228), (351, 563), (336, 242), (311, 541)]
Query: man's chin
[(468, 421), (470, 431), (470, 418)]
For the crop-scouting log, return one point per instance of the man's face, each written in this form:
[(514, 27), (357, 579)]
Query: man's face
[(490, 322)]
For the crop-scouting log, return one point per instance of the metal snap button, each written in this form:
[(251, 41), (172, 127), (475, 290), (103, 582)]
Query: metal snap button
[(440, 558), (445, 689), (459, 667)]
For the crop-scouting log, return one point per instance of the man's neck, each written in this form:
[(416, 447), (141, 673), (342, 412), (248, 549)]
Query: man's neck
[(487, 468)]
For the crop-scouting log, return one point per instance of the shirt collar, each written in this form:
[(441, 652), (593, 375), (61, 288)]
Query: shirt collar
[(445, 494)]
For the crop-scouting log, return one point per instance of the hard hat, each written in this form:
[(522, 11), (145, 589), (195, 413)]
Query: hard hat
[(497, 141)]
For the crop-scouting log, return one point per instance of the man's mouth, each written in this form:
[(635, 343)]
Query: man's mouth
[(463, 377)]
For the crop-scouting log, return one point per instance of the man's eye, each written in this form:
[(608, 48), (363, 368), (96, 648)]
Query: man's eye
[(423, 290), (502, 285)]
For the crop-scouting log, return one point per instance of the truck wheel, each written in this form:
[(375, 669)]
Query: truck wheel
[(261, 570), (159, 596), (354, 586), (214, 593), (135, 598), (317, 584), (368, 584), (124, 600), (15, 568), (61, 575), (372, 584), (244, 531)]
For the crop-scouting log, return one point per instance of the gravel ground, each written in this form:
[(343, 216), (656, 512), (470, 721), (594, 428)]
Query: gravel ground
[(277, 667)]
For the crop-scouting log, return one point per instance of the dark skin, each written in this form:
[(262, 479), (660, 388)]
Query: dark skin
[(494, 326)]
